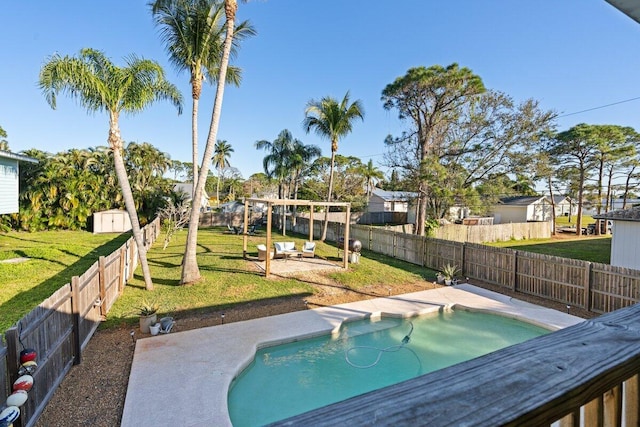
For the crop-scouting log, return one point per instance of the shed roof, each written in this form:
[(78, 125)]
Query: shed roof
[(520, 200), (631, 214)]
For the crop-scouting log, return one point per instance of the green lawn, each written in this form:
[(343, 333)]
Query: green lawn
[(227, 279), (594, 249), (54, 257)]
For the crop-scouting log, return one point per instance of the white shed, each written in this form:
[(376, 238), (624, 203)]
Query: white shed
[(9, 180), (111, 221), (625, 239), (522, 209)]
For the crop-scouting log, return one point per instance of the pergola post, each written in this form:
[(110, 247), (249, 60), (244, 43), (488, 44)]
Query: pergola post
[(267, 261), (311, 222), (245, 237), (345, 252)]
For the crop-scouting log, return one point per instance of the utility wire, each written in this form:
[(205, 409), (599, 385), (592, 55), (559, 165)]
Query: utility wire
[(602, 106)]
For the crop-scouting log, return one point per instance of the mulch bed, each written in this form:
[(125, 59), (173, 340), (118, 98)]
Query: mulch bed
[(93, 393)]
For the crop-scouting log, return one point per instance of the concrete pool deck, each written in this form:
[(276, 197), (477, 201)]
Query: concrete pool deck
[(183, 378)]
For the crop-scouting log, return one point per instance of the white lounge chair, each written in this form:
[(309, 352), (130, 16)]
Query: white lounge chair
[(309, 250), (262, 253)]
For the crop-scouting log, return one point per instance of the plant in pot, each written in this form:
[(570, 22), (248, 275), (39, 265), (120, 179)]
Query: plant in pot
[(449, 271), (148, 315)]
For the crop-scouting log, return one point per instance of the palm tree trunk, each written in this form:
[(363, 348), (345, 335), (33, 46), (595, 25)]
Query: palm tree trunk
[(116, 146), (326, 211), (190, 270), (194, 145)]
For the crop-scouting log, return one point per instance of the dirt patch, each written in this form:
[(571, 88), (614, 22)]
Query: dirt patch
[(93, 393)]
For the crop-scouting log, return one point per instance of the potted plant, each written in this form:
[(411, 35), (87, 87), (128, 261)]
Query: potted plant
[(439, 278), (147, 312), (449, 271)]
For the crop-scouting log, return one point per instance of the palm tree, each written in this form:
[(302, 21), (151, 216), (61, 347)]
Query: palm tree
[(100, 85), (276, 163), (372, 175), (190, 270), (193, 31), (332, 120), (4, 144), (220, 160), (299, 160)]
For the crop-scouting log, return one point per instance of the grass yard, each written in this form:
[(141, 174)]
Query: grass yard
[(53, 258), (594, 249), (227, 279)]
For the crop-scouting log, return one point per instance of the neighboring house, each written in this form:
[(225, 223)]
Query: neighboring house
[(565, 206), (522, 209), (625, 229), (9, 180), (390, 201), (186, 188), (382, 201)]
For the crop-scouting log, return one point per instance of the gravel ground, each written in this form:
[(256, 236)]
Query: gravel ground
[(93, 393)]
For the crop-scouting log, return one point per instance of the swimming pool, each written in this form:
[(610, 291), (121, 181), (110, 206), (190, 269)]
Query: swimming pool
[(184, 378), (366, 355)]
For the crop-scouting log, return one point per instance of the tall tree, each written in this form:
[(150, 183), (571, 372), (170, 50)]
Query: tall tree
[(276, 162), (190, 270), (193, 32), (432, 99), (372, 175), (220, 160), (332, 120), (100, 85), (577, 151)]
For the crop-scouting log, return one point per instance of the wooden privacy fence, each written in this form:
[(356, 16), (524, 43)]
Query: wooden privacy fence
[(600, 288), (60, 328)]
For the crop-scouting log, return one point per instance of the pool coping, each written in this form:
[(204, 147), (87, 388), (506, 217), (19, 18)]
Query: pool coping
[(183, 378)]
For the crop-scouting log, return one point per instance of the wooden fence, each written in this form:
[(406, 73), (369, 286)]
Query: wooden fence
[(599, 288), (60, 328)]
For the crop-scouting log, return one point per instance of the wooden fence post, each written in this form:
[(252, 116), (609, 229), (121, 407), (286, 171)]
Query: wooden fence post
[(514, 271), (462, 250), (101, 287), (587, 287), (123, 260), (75, 296), (12, 336)]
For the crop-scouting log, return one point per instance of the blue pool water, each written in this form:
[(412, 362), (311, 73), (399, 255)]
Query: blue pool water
[(293, 378)]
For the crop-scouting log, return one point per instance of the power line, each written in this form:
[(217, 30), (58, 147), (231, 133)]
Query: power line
[(602, 106)]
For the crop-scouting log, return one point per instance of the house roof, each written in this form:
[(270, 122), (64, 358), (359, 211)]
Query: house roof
[(631, 214), (18, 157), (520, 200), (394, 196), (187, 188)]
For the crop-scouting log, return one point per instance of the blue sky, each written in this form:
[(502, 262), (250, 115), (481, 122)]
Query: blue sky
[(571, 55)]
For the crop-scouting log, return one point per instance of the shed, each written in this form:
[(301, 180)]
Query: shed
[(111, 221), (625, 230), (522, 209), (9, 180)]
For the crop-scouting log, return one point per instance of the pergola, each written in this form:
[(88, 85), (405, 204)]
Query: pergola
[(270, 203)]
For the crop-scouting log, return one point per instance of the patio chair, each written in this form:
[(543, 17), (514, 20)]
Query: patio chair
[(231, 229), (309, 250), (262, 253)]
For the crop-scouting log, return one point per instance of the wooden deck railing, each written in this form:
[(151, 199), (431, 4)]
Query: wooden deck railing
[(586, 374)]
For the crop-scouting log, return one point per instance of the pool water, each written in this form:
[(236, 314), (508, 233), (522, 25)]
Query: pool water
[(293, 378)]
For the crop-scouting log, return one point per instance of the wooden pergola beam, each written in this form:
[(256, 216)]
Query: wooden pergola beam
[(295, 202)]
